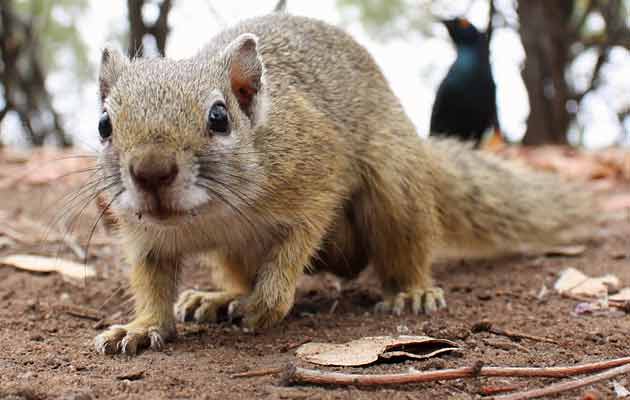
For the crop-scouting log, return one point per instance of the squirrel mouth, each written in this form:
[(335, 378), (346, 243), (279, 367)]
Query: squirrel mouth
[(162, 213), (156, 210)]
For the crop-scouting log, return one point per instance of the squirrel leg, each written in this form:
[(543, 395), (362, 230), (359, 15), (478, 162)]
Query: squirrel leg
[(154, 288), (274, 285), (407, 283), (203, 306)]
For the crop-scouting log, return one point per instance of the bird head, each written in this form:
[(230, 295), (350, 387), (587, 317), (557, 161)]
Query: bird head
[(461, 31)]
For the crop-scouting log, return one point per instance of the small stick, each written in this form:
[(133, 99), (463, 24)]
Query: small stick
[(621, 304), (74, 246), (258, 372), (81, 312), (297, 375), (106, 321), (13, 234), (564, 386), (291, 346), (487, 326), (518, 335)]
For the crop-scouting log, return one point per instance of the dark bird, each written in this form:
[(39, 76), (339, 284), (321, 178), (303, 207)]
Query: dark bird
[(465, 103)]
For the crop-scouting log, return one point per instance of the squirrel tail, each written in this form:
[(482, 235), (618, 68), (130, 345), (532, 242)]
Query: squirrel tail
[(502, 206)]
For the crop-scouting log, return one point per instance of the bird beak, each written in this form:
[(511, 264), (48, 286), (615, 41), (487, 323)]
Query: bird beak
[(439, 19)]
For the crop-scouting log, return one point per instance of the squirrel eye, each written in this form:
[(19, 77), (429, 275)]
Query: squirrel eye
[(105, 126), (218, 121)]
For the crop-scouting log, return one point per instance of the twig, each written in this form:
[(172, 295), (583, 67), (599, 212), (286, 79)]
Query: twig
[(487, 326), (297, 375), (295, 345), (74, 246), (623, 305), (518, 335), (13, 234), (81, 312), (258, 372), (106, 321), (564, 386)]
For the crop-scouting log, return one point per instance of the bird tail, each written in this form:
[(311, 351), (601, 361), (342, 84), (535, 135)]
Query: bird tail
[(502, 206)]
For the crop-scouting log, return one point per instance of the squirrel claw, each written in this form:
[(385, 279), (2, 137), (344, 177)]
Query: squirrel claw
[(201, 307), (127, 339), (421, 301)]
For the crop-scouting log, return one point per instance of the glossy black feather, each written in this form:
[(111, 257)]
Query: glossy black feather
[(465, 102)]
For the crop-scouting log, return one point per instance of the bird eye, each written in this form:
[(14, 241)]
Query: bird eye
[(218, 121), (105, 126)]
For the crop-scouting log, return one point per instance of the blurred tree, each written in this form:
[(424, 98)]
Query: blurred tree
[(554, 35), (31, 34), (140, 27), (389, 18), (281, 6)]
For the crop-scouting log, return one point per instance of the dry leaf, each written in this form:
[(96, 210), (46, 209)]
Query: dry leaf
[(622, 295), (568, 251), (67, 268), (574, 282), (369, 349)]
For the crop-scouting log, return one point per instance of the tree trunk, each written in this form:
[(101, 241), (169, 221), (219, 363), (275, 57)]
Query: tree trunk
[(546, 40), (23, 79), (138, 28)]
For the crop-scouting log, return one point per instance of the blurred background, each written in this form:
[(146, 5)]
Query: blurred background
[(561, 67)]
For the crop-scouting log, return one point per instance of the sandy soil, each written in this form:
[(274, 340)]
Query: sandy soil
[(47, 353)]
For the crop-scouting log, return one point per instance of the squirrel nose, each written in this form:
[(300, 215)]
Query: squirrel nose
[(150, 176)]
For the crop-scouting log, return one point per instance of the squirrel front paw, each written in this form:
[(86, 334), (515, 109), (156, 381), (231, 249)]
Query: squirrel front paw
[(420, 301), (130, 338), (202, 306)]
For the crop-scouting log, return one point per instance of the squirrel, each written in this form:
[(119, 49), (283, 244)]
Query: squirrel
[(281, 148)]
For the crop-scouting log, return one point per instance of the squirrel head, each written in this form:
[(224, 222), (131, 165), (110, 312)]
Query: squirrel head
[(179, 136)]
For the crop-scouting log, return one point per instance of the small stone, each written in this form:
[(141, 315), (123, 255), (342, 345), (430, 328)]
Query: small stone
[(133, 375), (481, 326), (36, 337)]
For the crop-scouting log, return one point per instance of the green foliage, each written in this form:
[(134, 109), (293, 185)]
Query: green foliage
[(55, 30), (389, 18)]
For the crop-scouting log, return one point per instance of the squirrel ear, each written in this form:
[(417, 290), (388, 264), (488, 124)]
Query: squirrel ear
[(245, 70), (113, 62)]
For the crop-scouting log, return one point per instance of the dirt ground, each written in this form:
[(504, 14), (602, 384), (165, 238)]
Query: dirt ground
[(45, 352)]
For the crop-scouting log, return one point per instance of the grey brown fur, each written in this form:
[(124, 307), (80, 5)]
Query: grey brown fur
[(322, 169)]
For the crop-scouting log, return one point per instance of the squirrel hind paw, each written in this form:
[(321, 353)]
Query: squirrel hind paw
[(420, 301)]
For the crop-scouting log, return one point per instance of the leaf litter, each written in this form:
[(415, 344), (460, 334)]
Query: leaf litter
[(68, 269), (368, 350)]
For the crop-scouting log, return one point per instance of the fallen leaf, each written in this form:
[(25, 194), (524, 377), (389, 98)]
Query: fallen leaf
[(369, 349), (575, 282), (620, 390), (82, 312), (570, 251), (622, 295), (67, 268)]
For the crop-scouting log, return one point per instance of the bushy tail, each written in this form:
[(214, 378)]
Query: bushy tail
[(496, 206)]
